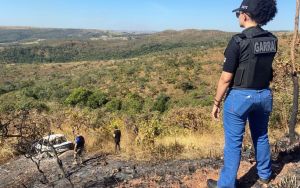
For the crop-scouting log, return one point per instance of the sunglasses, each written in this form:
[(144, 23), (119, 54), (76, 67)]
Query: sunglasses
[(237, 14)]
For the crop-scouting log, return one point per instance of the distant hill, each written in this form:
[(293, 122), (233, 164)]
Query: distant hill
[(25, 34), (28, 45), (18, 34)]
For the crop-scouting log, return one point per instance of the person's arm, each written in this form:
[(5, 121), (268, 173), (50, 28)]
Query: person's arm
[(223, 84), (230, 65), (75, 147)]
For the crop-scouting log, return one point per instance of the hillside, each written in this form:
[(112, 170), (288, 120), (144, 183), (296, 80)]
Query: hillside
[(66, 45), (16, 35), (157, 88)]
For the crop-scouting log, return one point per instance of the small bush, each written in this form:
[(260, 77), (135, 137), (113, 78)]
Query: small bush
[(173, 63), (131, 70), (28, 104), (60, 94), (185, 86), (29, 92), (133, 103), (190, 118), (97, 99), (7, 87), (78, 96), (150, 127), (114, 105), (207, 101), (189, 63), (160, 103), (37, 92), (162, 152)]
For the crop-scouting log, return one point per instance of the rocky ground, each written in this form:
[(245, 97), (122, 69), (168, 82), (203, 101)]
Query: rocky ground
[(100, 170)]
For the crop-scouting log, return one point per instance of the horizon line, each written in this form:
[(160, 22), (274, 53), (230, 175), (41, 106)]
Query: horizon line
[(125, 30)]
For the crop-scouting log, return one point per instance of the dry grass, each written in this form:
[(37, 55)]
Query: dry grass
[(298, 129), (197, 145), (194, 144), (6, 153)]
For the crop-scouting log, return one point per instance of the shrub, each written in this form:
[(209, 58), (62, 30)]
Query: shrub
[(7, 87), (207, 101), (162, 152), (60, 94), (7, 107), (186, 86), (131, 70), (160, 103), (114, 105), (133, 103), (27, 104), (189, 63), (37, 92), (150, 127), (78, 96), (97, 99), (190, 118), (172, 63), (29, 92)]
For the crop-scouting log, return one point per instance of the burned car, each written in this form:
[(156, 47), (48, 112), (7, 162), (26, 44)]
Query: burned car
[(54, 141)]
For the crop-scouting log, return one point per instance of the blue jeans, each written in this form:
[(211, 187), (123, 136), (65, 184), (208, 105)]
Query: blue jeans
[(242, 105)]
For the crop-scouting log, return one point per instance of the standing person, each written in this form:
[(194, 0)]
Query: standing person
[(246, 76), (117, 137), (79, 149)]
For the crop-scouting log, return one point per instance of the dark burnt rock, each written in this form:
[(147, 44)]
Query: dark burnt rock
[(192, 169), (286, 152)]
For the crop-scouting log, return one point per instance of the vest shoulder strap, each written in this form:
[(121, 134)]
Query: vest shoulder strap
[(239, 37), (263, 33)]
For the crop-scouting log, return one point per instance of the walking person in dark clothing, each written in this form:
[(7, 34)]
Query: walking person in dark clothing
[(117, 137), (246, 76), (79, 149)]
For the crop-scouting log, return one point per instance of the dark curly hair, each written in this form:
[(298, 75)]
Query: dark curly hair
[(265, 12)]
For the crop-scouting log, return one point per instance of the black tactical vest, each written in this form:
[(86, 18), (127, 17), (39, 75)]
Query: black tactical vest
[(257, 53)]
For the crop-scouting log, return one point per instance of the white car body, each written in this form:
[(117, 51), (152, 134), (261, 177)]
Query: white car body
[(58, 141)]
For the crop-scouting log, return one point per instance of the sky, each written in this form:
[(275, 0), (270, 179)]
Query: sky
[(135, 15)]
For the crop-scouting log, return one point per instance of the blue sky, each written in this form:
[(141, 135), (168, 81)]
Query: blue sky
[(141, 15)]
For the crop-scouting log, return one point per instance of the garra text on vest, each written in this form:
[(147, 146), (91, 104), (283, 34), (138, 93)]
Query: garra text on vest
[(262, 47)]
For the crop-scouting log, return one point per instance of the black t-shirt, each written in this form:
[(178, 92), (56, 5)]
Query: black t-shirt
[(117, 133), (231, 54)]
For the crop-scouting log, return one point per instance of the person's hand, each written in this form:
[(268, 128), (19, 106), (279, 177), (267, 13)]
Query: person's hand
[(215, 113)]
